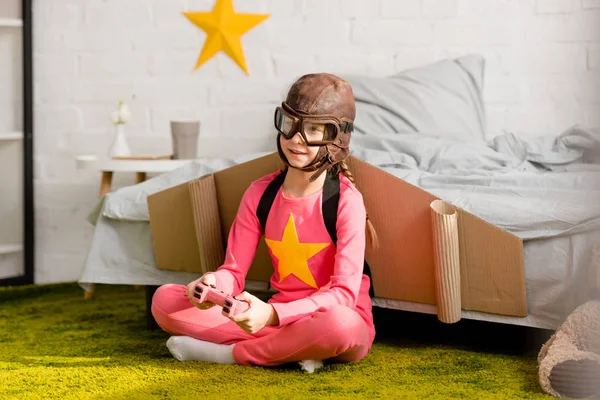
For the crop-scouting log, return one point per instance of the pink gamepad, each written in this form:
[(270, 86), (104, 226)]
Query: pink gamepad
[(231, 306)]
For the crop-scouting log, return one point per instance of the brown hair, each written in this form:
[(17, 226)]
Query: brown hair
[(343, 168)]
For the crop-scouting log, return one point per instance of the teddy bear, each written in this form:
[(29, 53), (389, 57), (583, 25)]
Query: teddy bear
[(569, 362)]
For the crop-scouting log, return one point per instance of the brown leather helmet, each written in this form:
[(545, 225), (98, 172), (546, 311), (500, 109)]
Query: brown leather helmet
[(323, 100)]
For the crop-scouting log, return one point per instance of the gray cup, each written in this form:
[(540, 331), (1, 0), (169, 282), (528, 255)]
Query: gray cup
[(185, 139)]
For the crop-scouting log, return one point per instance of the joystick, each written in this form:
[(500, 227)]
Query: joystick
[(231, 306)]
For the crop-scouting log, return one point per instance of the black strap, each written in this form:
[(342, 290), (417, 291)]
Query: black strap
[(367, 272), (267, 199), (331, 199), (329, 208)]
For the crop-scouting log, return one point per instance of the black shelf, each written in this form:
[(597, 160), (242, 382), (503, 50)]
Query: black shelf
[(28, 195)]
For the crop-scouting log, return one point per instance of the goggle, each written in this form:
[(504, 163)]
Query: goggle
[(316, 130)]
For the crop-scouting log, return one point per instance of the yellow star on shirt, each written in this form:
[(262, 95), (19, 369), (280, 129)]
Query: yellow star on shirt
[(293, 256), (224, 27)]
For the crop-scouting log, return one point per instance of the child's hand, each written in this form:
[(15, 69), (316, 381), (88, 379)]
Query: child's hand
[(208, 279), (259, 315)]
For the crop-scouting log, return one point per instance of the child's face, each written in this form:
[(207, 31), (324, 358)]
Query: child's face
[(295, 149)]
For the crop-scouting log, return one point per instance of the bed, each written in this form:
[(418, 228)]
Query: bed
[(427, 126)]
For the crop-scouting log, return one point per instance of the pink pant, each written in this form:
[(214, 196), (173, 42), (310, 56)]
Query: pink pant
[(336, 333)]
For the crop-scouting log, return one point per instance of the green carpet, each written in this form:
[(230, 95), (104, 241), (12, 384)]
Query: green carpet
[(56, 345)]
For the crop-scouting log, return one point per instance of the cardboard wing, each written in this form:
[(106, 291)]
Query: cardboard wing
[(429, 251), (190, 222)]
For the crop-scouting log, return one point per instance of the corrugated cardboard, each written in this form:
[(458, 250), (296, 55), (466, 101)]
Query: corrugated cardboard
[(192, 235), (492, 277), (177, 223), (421, 240), (446, 259)]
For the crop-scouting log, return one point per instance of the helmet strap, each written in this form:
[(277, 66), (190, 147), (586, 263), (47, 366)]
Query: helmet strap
[(319, 164), (325, 166)]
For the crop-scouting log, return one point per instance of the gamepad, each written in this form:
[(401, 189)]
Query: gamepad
[(231, 306)]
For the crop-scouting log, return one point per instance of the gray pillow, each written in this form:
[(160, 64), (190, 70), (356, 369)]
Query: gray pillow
[(440, 99)]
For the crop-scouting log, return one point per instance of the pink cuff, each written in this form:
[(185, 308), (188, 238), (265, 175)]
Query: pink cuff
[(286, 314)]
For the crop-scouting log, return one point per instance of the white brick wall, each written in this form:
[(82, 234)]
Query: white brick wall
[(543, 61)]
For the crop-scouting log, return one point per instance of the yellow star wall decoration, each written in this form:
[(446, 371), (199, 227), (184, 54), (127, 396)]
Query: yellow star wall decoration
[(224, 28), (293, 256)]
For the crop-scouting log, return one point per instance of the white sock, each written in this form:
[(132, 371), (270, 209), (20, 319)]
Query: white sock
[(311, 365), (185, 348)]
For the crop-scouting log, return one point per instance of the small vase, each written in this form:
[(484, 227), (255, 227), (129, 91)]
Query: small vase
[(119, 146)]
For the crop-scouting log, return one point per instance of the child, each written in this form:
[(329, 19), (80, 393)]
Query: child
[(322, 310)]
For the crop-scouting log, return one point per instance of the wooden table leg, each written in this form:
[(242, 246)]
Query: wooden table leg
[(140, 177), (106, 184), (105, 187)]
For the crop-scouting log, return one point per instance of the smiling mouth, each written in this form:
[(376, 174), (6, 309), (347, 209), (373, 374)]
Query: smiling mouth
[(296, 152)]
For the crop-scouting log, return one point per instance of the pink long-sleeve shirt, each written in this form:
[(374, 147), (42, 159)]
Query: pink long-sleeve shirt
[(309, 270)]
